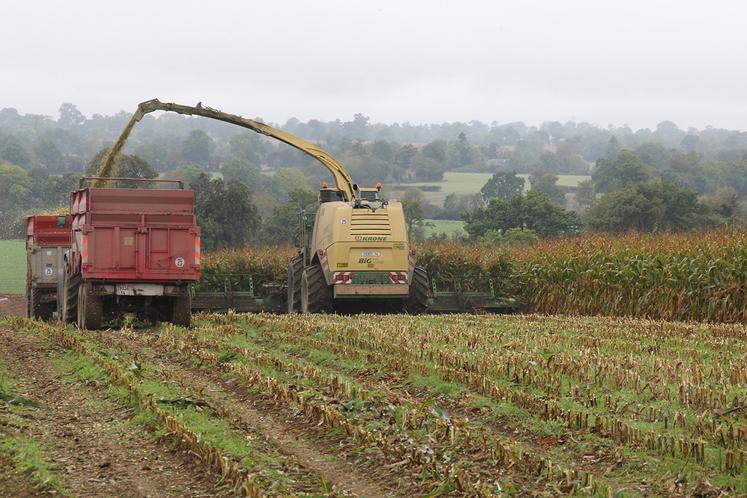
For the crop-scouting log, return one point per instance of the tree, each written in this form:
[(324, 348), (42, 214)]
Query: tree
[(70, 116), (357, 128), (648, 207), (427, 169), (366, 169), (724, 202), (534, 211), (197, 147), (586, 194), (52, 190), (525, 156), (12, 151), (125, 166), (15, 187), (625, 170), (464, 154), (503, 185), (187, 173), (155, 154), (225, 212), (405, 155), (456, 204), (287, 180), (690, 143), (245, 172), (613, 148), (281, 227), (413, 206), (436, 150), (249, 147), (383, 150), (49, 155), (548, 184)]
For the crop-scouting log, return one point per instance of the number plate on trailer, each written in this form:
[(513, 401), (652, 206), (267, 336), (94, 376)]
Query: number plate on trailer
[(370, 254), (139, 290)]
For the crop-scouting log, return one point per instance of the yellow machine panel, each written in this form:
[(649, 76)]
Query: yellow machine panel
[(360, 239)]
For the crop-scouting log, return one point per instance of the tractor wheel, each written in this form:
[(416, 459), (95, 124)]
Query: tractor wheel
[(70, 299), (181, 313), (90, 308), (420, 291), (295, 272), (315, 294)]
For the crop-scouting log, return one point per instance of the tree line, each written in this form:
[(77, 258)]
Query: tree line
[(640, 179)]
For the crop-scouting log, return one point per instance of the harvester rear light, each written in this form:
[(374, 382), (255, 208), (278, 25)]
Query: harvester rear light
[(398, 277), (342, 277), (197, 251)]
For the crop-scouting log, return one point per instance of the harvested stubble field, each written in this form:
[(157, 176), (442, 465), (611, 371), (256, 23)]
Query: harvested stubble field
[(322, 405)]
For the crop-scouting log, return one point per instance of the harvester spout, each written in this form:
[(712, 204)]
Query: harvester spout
[(342, 178)]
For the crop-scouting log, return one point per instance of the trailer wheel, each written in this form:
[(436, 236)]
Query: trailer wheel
[(70, 299), (181, 312), (315, 294), (28, 303), (420, 291), (295, 272), (42, 311), (90, 308)]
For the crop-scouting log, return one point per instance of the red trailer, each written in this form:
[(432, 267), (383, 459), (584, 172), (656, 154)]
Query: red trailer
[(134, 250), (47, 239)]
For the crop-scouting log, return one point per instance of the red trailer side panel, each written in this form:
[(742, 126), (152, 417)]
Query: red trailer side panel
[(48, 230), (135, 235)]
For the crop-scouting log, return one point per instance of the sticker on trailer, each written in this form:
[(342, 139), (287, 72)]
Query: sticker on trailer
[(139, 290), (344, 221), (179, 262), (49, 271)]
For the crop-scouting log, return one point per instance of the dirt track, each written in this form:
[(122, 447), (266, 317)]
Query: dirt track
[(12, 304), (90, 440)]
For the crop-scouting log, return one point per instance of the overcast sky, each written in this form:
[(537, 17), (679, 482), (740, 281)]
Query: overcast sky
[(624, 62)]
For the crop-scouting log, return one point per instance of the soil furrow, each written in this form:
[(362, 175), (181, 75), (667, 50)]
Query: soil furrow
[(289, 435), (89, 438)]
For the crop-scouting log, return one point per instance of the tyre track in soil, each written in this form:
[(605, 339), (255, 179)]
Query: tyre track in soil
[(88, 438), (19, 486), (294, 438)]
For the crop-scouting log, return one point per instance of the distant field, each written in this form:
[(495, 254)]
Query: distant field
[(471, 183), (563, 180), (449, 227), (12, 266)]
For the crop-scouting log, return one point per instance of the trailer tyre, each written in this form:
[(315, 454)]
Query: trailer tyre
[(90, 308), (38, 309), (420, 291), (295, 272), (181, 313), (70, 299), (315, 294), (28, 303)]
